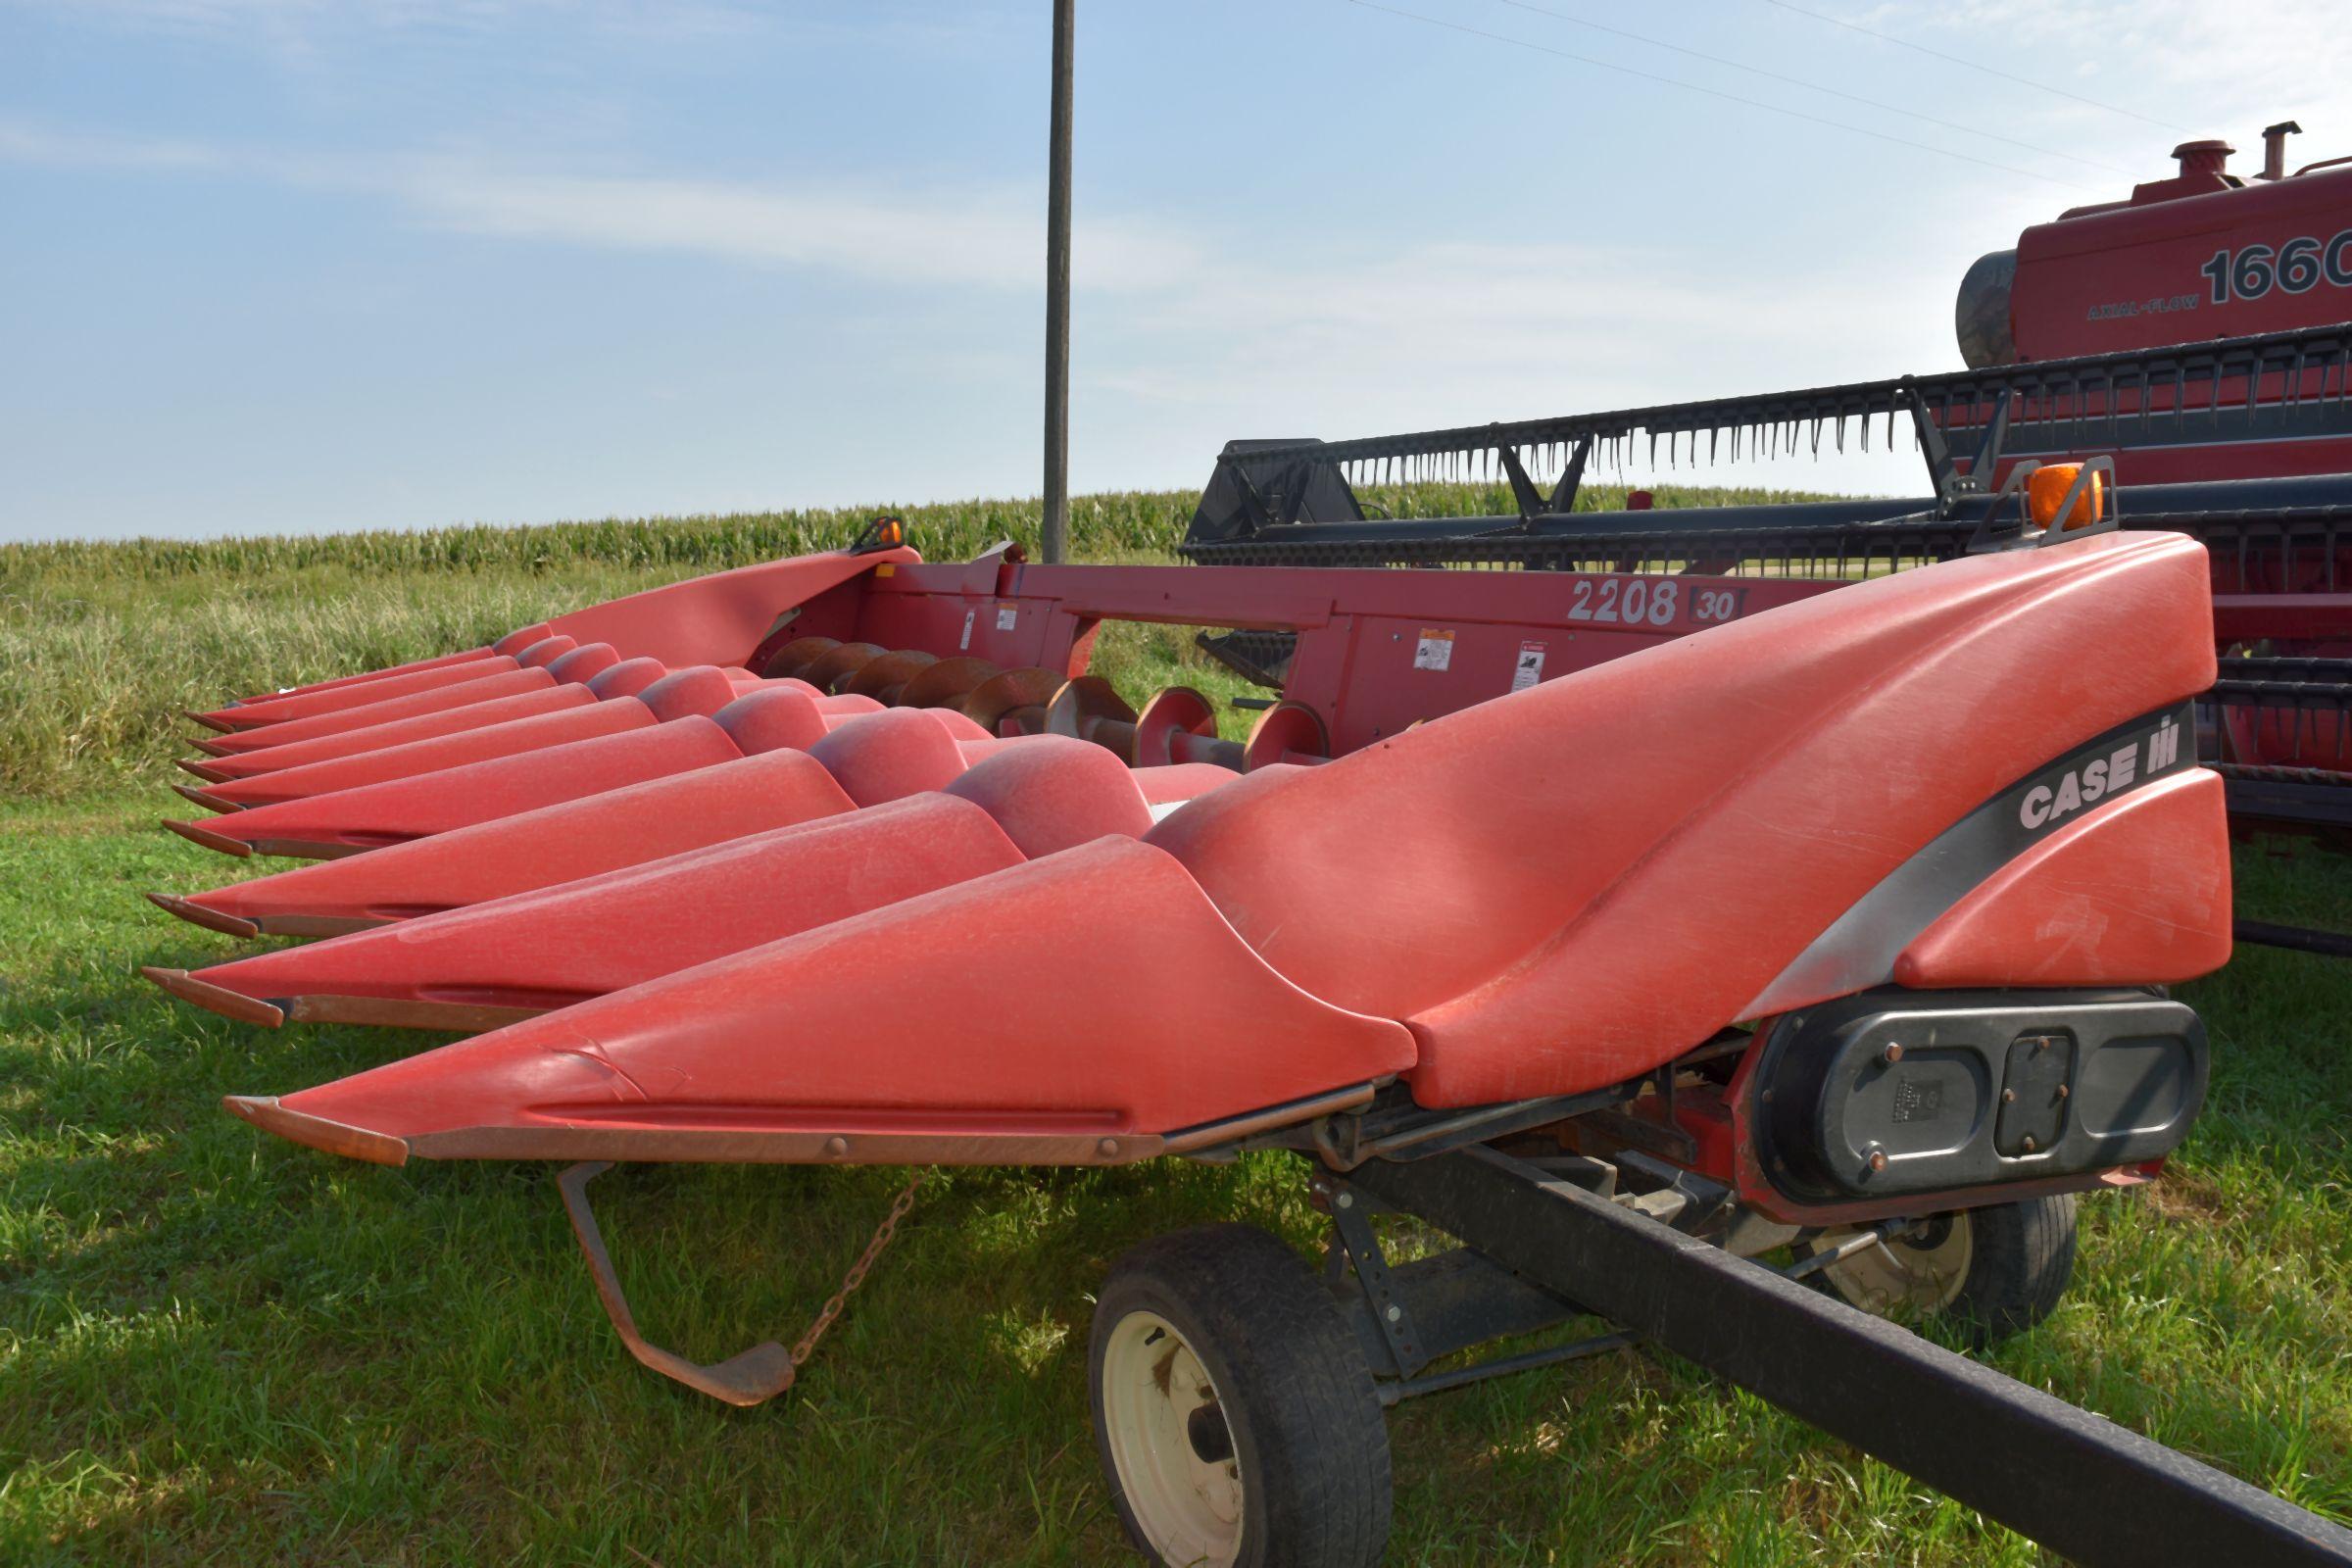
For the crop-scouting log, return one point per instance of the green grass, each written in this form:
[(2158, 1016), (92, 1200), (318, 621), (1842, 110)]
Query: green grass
[(216, 1346)]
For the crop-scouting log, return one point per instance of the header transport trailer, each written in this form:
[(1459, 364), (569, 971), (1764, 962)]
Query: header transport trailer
[(1732, 956)]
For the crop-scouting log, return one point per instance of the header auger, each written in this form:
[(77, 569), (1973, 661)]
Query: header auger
[(1674, 933)]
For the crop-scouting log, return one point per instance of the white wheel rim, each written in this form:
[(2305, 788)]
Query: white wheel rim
[(1188, 1505), (1904, 1275)]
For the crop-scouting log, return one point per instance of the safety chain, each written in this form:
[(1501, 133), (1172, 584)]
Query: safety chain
[(805, 1345)]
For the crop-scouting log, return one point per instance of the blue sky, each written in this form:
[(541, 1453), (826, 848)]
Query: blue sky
[(285, 265)]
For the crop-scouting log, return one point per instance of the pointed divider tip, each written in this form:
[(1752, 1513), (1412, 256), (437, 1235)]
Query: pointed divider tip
[(210, 839), (217, 998), (316, 1131), (209, 772), (208, 721), (211, 919), (204, 798)]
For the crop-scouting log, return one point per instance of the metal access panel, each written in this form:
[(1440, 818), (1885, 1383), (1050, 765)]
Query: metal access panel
[(1892, 1092)]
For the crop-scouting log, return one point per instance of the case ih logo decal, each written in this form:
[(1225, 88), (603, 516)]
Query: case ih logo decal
[(2137, 758), (2252, 271)]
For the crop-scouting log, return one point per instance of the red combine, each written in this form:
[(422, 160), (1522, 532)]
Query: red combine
[(2200, 256), (1729, 924)]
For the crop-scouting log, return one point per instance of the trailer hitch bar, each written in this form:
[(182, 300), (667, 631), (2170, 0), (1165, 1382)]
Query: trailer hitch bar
[(2075, 1482)]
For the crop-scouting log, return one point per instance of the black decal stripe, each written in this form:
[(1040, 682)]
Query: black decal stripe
[(1859, 949)]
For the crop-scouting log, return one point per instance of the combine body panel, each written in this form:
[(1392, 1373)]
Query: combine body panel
[(2202, 254)]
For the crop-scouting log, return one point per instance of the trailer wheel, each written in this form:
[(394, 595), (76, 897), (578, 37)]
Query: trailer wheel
[(1234, 1413), (1992, 1272)]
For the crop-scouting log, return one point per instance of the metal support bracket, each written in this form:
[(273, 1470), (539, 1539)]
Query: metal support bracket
[(1951, 485), (1354, 1230), (753, 1377), (2110, 516), (1572, 478), (1524, 494)]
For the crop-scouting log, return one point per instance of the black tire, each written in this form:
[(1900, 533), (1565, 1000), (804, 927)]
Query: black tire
[(1301, 1425), (2024, 1259), (2020, 1260)]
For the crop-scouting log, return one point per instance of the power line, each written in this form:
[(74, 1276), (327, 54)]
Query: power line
[(1813, 86), (1712, 92), (1989, 71)]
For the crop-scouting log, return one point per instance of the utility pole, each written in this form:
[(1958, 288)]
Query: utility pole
[(1058, 294)]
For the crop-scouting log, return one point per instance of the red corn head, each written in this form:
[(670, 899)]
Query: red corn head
[(480, 966), (498, 683), (538, 949), (311, 704), (535, 849), (347, 822), (394, 732), (1476, 905), (571, 723)]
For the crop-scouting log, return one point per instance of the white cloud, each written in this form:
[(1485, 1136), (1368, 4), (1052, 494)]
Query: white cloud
[(2219, 68), (990, 238), (985, 237)]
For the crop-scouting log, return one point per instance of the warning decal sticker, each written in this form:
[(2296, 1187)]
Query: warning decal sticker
[(1436, 649), (1530, 668)]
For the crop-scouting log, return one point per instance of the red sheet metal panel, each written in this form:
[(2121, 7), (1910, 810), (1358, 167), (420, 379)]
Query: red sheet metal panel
[(2134, 892), (1150, 1015), (1600, 873), (719, 618), (2144, 276)]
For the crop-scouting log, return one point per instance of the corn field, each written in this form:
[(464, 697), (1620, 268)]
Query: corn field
[(102, 644)]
